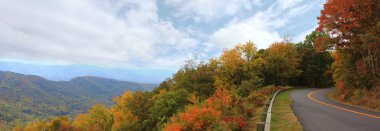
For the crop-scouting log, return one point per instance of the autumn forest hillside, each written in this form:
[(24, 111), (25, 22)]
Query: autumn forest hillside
[(24, 98), (226, 92)]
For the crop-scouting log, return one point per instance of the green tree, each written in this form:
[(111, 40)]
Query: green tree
[(165, 105), (282, 62), (140, 103), (315, 65), (197, 79)]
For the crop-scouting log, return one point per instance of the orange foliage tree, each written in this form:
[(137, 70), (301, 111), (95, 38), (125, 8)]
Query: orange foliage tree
[(124, 121), (81, 122), (354, 28), (201, 116)]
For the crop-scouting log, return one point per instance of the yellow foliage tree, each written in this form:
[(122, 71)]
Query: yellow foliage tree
[(35, 126), (100, 118), (81, 122)]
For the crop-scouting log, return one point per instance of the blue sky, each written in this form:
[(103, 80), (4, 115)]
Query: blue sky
[(145, 36)]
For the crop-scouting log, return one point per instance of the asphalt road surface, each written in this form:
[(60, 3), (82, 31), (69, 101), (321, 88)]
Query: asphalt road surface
[(317, 113)]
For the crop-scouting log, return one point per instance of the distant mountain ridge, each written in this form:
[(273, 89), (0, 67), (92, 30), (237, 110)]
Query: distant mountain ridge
[(28, 97), (67, 72)]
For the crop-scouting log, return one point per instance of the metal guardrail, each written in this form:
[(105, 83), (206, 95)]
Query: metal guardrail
[(264, 124)]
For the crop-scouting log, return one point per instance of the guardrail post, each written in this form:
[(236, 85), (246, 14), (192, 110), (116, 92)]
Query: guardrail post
[(263, 116), (265, 108), (260, 126)]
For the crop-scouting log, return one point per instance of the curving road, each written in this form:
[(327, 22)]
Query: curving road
[(317, 113)]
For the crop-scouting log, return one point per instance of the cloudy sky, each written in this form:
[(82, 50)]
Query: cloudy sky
[(145, 34)]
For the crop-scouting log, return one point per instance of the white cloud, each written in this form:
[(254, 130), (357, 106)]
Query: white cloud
[(125, 33), (131, 33), (263, 27), (285, 4), (206, 10), (258, 29)]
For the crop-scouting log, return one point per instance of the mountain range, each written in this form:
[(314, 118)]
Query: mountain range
[(29, 97), (63, 72)]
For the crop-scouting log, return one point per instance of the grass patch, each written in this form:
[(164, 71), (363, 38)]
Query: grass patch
[(283, 118)]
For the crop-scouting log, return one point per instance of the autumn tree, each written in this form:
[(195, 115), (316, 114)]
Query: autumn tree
[(35, 126), (202, 115), (131, 110), (124, 121), (253, 68), (165, 105), (100, 118), (282, 62), (240, 69), (122, 101), (231, 67), (81, 122), (354, 29), (60, 123)]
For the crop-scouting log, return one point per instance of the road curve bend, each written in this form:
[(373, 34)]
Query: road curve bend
[(317, 113)]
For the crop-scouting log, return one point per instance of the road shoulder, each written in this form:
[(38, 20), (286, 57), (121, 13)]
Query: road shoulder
[(283, 118)]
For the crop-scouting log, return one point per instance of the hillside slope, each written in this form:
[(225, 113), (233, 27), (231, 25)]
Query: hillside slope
[(27, 97)]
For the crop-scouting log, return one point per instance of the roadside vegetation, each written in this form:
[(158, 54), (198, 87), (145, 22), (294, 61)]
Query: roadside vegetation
[(354, 35), (283, 118), (332, 96)]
